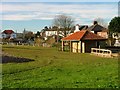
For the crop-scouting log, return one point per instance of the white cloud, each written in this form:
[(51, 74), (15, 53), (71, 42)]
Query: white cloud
[(17, 17), (19, 11), (21, 7)]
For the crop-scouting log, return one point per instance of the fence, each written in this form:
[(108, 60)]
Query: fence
[(101, 52)]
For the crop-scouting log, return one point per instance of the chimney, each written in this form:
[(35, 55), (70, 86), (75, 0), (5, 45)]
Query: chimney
[(77, 28), (95, 22)]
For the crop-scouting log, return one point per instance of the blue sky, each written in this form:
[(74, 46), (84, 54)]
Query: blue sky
[(59, 0), (34, 16)]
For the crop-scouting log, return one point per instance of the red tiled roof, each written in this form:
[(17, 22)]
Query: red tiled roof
[(83, 35), (91, 36), (8, 31), (75, 36)]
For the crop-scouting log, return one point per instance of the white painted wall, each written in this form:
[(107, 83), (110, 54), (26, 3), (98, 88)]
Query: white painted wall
[(50, 33), (77, 28), (13, 35), (74, 47), (103, 34), (83, 47), (3, 35), (79, 47)]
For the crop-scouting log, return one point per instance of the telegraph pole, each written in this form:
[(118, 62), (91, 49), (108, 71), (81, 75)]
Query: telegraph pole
[(58, 34)]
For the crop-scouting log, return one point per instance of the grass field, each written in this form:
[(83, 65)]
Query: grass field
[(56, 69)]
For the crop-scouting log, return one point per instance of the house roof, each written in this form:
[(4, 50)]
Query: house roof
[(96, 27), (83, 35), (75, 36), (8, 31), (91, 36)]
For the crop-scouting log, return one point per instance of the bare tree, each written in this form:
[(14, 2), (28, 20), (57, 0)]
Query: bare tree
[(101, 22), (64, 24)]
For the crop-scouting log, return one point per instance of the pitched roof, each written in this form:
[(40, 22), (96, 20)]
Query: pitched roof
[(83, 27), (96, 27), (8, 31), (75, 36), (83, 35), (91, 36)]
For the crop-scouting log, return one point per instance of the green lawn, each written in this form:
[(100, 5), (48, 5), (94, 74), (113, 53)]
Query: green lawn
[(56, 69)]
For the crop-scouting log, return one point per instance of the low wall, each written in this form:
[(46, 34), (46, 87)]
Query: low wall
[(101, 52)]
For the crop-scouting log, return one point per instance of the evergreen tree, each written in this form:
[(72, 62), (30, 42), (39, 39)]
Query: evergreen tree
[(114, 25)]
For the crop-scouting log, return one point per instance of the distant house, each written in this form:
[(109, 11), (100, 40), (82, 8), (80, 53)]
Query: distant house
[(95, 28), (82, 41), (19, 35), (8, 34), (98, 29), (52, 31), (80, 27), (47, 32)]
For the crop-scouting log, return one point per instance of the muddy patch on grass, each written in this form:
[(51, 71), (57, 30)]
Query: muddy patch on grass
[(13, 59)]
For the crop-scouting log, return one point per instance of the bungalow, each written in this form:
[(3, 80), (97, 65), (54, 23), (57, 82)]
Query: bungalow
[(82, 41), (8, 34)]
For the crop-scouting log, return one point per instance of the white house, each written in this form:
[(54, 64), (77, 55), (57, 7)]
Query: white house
[(50, 32), (8, 34)]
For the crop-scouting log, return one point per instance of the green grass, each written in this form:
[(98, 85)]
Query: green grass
[(56, 69)]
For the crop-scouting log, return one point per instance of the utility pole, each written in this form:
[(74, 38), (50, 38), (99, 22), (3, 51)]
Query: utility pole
[(24, 34), (58, 34)]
